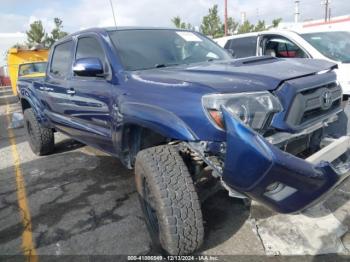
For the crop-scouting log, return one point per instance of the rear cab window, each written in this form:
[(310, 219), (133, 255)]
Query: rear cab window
[(242, 47), (32, 68), (61, 62)]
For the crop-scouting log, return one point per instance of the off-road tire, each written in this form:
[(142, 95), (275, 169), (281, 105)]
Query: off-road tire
[(41, 139), (175, 200)]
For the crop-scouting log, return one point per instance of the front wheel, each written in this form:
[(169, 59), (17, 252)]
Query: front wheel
[(169, 201), (41, 139)]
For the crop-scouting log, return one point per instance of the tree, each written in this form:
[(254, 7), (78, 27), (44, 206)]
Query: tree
[(276, 22), (260, 26), (232, 26), (56, 33), (20, 46), (177, 21), (246, 27), (211, 24), (190, 27), (36, 34)]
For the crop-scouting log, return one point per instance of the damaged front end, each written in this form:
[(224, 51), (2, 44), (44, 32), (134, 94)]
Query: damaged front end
[(282, 181), (286, 158)]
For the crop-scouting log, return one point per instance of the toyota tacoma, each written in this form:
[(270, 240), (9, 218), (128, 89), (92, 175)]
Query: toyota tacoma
[(189, 119)]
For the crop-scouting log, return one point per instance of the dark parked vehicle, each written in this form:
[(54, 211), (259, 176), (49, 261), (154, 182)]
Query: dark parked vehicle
[(176, 107)]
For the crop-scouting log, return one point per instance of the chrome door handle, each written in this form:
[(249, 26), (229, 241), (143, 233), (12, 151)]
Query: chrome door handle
[(71, 91)]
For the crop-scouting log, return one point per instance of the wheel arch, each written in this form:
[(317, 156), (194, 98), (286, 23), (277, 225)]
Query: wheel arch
[(145, 126), (135, 138), (157, 119), (25, 104)]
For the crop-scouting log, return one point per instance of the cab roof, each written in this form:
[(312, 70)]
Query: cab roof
[(118, 28)]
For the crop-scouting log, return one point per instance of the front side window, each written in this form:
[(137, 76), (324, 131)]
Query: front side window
[(334, 45), (242, 47), (89, 47), (153, 48), (282, 47), (62, 59), (32, 68)]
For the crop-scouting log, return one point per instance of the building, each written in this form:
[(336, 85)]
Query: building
[(339, 23)]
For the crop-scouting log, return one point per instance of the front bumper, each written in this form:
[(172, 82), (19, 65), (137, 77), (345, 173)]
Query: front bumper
[(278, 179)]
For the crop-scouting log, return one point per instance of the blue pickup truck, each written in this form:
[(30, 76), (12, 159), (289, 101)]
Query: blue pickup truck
[(188, 118)]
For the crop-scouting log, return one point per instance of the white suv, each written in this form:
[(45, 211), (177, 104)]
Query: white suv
[(329, 45)]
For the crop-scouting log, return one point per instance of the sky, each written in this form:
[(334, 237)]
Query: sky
[(16, 15)]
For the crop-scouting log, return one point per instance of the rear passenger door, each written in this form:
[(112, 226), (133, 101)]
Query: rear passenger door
[(91, 97), (54, 91), (243, 47)]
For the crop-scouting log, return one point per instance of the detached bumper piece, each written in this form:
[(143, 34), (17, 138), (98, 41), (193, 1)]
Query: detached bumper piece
[(285, 183)]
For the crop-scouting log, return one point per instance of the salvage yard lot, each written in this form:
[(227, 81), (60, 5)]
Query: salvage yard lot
[(84, 202)]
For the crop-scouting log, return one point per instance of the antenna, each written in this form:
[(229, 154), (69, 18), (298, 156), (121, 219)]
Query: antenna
[(115, 21)]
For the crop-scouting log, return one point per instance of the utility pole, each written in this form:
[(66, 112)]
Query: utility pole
[(225, 17), (326, 9), (115, 21), (296, 12)]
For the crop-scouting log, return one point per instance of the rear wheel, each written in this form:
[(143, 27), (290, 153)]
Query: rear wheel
[(169, 201), (41, 139)]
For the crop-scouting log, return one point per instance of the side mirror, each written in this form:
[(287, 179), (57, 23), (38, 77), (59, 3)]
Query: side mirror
[(231, 52), (91, 67)]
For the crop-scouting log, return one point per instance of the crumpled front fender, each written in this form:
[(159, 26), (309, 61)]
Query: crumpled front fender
[(252, 164)]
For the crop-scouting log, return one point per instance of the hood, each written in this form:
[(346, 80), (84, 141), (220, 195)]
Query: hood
[(249, 74)]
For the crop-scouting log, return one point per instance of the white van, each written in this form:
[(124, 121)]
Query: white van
[(329, 45)]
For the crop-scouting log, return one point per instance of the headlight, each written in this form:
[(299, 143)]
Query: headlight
[(253, 109)]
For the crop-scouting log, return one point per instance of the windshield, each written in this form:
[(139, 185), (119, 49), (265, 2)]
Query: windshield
[(334, 45), (154, 48), (32, 68)]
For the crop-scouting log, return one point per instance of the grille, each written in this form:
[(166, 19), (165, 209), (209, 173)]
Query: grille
[(308, 105)]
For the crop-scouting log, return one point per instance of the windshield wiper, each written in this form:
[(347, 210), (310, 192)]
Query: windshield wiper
[(164, 65)]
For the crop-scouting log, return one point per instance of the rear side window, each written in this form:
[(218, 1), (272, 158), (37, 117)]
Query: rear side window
[(62, 59), (89, 47), (242, 47), (279, 46)]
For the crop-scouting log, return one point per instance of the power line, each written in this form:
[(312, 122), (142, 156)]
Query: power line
[(115, 21)]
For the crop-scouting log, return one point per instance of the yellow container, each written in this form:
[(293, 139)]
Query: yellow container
[(16, 57)]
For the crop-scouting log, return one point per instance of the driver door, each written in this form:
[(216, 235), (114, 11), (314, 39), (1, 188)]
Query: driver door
[(91, 98)]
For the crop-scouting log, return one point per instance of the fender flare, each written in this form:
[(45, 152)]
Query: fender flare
[(25, 95), (157, 119)]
